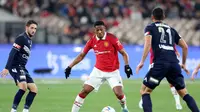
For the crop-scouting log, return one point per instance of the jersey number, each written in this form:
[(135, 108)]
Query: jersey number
[(162, 38)]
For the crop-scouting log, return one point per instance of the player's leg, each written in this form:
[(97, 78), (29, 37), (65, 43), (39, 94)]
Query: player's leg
[(32, 92), (115, 81), (143, 88), (81, 97), (177, 80), (92, 83), (151, 81), (20, 80), (141, 93), (176, 97)]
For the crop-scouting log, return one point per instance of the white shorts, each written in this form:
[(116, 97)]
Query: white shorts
[(98, 77)]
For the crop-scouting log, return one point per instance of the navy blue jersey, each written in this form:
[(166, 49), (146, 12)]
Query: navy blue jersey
[(20, 52), (163, 41)]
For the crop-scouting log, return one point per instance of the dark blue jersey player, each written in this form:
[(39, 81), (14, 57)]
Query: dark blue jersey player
[(162, 38), (17, 60)]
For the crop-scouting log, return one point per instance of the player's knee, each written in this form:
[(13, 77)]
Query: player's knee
[(32, 87), (147, 91), (182, 92), (141, 92), (85, 92), (22, 85)]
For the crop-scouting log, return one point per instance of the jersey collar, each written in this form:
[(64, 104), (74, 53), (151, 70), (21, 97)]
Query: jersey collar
[(104, 37)]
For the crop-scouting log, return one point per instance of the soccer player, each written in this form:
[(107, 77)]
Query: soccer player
[(172, 88), (195, 72), (162, 38), (106, 47), (17, 60)]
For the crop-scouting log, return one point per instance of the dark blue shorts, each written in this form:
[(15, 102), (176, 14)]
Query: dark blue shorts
[(20, 74), (170, 71)]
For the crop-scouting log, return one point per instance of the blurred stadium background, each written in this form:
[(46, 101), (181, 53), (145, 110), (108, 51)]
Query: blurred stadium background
[(64, 28)]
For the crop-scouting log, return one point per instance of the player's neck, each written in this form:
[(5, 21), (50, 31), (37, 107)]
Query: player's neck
[(28, 35), (155, 21)]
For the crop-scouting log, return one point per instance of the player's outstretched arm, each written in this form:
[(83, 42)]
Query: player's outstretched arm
[(194, 73), (147, 46), (184, 47), (12, 54), (127, 68), (78, 59)]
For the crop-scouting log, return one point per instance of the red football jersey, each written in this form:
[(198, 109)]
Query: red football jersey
[(152, 55), (106, 51)]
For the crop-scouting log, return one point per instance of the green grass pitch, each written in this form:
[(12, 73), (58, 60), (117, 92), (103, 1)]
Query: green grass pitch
[(57, 95)]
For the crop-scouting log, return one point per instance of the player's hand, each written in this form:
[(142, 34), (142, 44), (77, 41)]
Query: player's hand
[(140, 65), (67, 72), (194, 73), (128, 71), (177, 54), (183, 66), (4, 72)]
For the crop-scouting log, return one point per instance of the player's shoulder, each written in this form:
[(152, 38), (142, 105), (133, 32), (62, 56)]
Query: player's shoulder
[(21, 36), (149, 26), (111, 36)]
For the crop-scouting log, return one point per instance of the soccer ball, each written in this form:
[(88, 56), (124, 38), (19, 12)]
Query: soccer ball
[(84, 77), (108, 109)]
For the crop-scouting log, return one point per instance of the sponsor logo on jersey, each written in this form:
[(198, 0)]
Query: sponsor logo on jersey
[(26, 49), (161, 46), (25, 56)]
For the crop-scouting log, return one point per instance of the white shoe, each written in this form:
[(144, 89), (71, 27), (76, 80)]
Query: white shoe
[(140, 104), (25, 110), (13, 110), (179, 107)]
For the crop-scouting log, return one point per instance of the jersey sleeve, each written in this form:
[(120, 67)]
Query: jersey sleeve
[(18, 44), (177, 36), (147, 31), (117, 44), (16, 48), (88, 46)]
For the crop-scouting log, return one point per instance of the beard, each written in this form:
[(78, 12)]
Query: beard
[(29, 34)]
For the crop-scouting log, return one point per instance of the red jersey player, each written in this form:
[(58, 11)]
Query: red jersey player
[(106, 47), (173, 90)]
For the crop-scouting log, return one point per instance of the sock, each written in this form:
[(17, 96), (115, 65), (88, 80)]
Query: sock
[(29, 99), (176, 95), (25, 110), (147, 105), (17, 98), (191, 103), (78, 103), (140, 101), (122, 101)]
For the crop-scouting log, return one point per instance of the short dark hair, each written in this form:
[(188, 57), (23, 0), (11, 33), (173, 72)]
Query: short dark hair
[(158, 13), (97, 23), (29, 22)]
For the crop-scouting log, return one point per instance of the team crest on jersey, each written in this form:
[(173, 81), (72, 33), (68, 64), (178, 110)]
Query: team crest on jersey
[(106, 44)]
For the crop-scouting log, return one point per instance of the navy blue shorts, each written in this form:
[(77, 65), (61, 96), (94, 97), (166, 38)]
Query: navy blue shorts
[(170, 71), (20, 74)]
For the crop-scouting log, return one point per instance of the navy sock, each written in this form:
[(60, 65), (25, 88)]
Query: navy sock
[(29, 99), (147, 105), (191, 103), (18, 98)]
